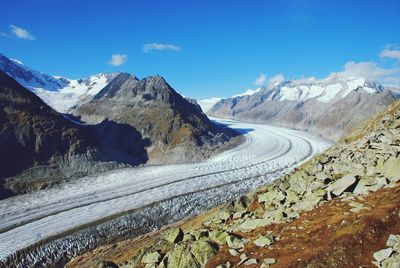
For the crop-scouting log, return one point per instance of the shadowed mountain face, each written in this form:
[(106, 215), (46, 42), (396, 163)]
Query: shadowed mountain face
[(177, 129), (329, 107), (39, 147)]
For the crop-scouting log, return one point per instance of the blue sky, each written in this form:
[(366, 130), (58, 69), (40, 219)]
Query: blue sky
[(205, 48)]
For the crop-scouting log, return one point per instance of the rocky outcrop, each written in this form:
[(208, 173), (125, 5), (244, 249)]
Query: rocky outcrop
[(345, 175), (39, 147), (329, 107), (390, 256), (177, 128)]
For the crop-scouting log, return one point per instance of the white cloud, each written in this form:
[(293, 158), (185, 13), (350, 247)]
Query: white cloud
[(371, 70), (118, 59), (390, 53), (158, 46), (261, 80), (21, 33), (276, 79)]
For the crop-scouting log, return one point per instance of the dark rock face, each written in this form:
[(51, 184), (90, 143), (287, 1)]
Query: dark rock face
[(176, 128), (40, 147)]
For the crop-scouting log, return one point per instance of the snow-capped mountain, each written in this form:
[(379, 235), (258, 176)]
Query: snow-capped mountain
[(62, 94), (335, 86), (329, 106), (248, 92), (207, 104)]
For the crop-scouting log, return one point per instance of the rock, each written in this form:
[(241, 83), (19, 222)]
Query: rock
[(274, 196), (234, 242), (275, 216), (181, 257), (153, 257), (250, 262), (243, 258), (339, 186), (361, 188), (200, 233), (203, 250), (292, 197), (173, 235), (218, 236), (188, 237), (263, 241), (250, 225), (357, 207), (309, 202), (107, 264), (223, 215), (233, 252), (391, 168), (382, 254), (239, 214), (269, 261), (394, 242)]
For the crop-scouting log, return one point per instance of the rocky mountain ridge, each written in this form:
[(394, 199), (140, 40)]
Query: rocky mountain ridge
[(177, 128), (336, 210), (40, 147), (329, 107)]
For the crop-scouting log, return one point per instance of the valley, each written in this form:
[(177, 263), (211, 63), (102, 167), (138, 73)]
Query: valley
[(65, 217)]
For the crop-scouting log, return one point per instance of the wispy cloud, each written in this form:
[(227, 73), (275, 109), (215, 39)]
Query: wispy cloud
[(118, 59), (390, 53), (159, 46), (369, 69), (276, 79), (21, 33), (261, 80)]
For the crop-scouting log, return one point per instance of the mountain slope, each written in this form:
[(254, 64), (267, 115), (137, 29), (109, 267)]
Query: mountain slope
[(329, 107), (39, 147), (336, 210), (62, 94), (177, 128)]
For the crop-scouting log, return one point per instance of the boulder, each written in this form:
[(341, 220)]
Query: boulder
[(263, 241), (152, 257), (173, 235), (394, 242), (250, 225), (339, 186), (218, 236), (250, 261), (203, 250), (181, 257), (233, 252), (391, 168), (383, 254), (234, 242)]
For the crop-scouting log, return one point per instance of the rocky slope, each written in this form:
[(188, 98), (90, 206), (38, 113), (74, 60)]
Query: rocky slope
[(177, 128), (337, 210), (60, 93), (330, 107), (39, 147)]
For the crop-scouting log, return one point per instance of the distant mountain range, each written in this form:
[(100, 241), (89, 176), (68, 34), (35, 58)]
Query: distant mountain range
[(330, 107)]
